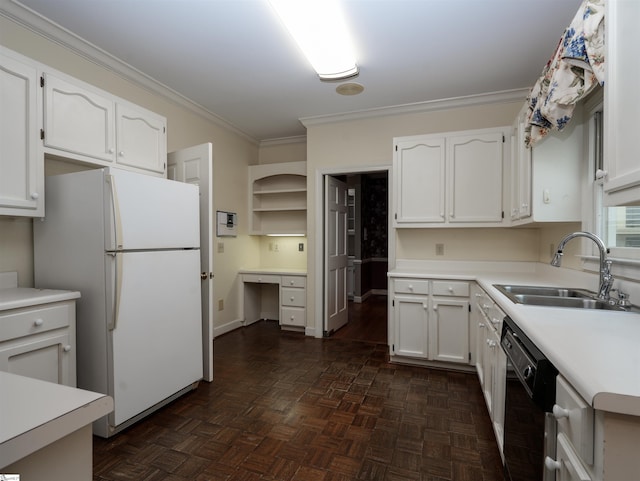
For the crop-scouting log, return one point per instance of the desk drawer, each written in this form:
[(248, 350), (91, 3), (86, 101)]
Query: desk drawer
[(293, 297), (575, 419), (261, 278), (33, 320), (293, 316), (411, 286), (294, 281), (451, 288)]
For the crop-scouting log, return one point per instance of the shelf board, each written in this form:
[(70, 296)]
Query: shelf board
[(278, 209), (278, 191)]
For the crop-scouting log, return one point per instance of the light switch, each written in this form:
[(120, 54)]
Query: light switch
[(546, 197)]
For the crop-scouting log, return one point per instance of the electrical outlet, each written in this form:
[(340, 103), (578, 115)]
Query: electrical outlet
[(301, 247), (220, 247), (439, 249), (275, 247), (220, 304)]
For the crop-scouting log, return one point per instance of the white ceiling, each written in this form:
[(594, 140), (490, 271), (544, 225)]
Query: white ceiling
[(234, 58)]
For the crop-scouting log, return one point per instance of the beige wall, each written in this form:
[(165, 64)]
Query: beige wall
[(368, 142), (284, 150), (232, 153)]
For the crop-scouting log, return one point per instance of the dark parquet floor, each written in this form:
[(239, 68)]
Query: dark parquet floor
[(288, 407)]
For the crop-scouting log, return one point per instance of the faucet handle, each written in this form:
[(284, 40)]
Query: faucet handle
[(622, 298)]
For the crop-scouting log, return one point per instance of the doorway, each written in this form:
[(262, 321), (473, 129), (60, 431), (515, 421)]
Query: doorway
[(367, 249)]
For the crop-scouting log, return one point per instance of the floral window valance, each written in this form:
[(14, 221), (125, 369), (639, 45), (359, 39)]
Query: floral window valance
[(575, 68)]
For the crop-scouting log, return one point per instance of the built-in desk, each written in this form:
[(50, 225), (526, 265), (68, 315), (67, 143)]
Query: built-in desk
[(278, 294)]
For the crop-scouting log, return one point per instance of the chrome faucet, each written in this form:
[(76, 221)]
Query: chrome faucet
[(606, 279)]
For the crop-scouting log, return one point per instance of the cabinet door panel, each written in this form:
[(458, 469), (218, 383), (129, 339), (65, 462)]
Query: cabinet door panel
[(475, 178), (22, 172), (420, 170), (449, 331), (77, 120), (410, 326), (46, 359), (141, 138)]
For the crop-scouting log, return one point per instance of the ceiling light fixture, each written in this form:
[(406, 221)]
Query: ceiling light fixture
[(319, 28)]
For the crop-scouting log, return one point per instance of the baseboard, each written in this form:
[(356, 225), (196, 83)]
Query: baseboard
[(228, 327)]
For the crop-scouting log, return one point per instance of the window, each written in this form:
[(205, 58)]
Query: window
[(619, 227)]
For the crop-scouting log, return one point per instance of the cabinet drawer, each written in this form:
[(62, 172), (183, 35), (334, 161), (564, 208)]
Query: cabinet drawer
[(261, 279), (33, 320), (294, 281), (575, 419), (451, 288), (411, 286), (293, 316), (293, 297)]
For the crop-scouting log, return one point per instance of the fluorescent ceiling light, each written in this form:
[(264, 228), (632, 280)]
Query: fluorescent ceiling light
[(319, 29)]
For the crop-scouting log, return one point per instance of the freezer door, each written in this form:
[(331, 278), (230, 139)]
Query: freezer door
[(156, 339), (145, 212)]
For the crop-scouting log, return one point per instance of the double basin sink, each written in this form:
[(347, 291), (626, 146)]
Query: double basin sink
[(558, 297)]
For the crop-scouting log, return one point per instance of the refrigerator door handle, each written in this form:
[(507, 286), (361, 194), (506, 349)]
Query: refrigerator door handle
[(117, 224), (118, 289)]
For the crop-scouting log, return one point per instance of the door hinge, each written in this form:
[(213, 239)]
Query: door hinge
[(393, 302), (393, 348), (41, 134), (469, 356), (396, 148), (395, 216), (42, 81), (503, 140), (469, 306), (503, 214)]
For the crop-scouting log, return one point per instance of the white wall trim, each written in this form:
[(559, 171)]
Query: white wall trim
[(298, 139), (227, 327), (418, 107), (53, 32)]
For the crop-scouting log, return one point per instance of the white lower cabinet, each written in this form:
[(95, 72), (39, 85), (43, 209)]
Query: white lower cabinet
[(490, 358), (39, 342), (293, 299), (430, 319)]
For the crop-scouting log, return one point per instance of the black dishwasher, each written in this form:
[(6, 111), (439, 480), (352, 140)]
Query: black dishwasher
[(530, 393)]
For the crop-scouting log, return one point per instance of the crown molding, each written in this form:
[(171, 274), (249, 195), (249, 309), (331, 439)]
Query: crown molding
[(420, 107), (298, 139), (36, 23)]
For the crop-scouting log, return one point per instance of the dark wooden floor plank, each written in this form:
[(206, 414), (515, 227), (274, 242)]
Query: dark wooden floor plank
[(286, 407)]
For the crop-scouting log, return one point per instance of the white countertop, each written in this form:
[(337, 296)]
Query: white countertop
[(597, 351), (274, 271), (34, 414), (13, 298)]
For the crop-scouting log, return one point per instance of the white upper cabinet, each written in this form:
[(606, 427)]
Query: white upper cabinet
[(88, 125), (451, 179), (621, 103), (141, 138), (21, 166), (546, 179), (78, 120), (419, 172), (474, 170)]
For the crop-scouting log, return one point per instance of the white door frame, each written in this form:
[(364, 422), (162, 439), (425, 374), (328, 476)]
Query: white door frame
[(319, 232)]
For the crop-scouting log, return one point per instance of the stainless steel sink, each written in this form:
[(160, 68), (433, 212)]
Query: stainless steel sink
[(509, 290), (576, 302), (558, 297)]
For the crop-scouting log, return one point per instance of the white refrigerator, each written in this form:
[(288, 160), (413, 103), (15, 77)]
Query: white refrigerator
[(130, 244)]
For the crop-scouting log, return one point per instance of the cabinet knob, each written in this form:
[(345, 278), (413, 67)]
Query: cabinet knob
[(111, 150), (291, 298), (495, 321), (410, 287), (38, 322), (35, 195), (559, 412), (601, 174), (481, 324), (259, 279), (551, 464), (435, 307), (424, 305), (293, 317), (66, 348), (121, 153), (450, 289), (291, 282)]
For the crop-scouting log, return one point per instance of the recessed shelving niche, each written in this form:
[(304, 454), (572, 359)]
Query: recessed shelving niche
[(278, 198)]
